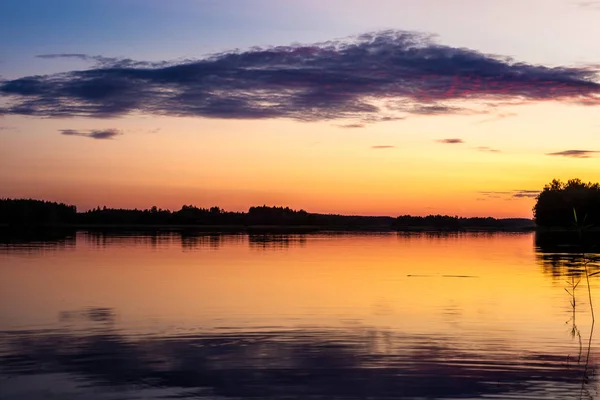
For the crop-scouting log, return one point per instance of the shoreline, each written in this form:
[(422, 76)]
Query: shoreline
[(274, 228)]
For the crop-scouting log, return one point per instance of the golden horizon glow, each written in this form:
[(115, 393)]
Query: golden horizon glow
[(387, 281), (318, 167)]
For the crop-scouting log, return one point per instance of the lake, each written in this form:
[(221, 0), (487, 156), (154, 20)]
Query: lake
[(89, 315)]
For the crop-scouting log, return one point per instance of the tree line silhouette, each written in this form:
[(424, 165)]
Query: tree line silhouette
[(557, 201), (554, 208), (445, 222), (36, 212), (18, 212), (29, 212)]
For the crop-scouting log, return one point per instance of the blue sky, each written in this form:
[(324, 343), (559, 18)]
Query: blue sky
[(475, 97), (539, 31)]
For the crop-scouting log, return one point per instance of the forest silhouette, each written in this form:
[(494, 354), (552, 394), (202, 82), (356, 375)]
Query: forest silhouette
[(553, 209), (558, 203)]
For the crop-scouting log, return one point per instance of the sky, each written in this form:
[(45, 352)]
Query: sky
[(378, 107)]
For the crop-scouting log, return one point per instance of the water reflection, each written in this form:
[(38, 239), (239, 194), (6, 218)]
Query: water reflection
[(93, 314), (191, 241), (567, 241), (275, 242), (353, 363), (563, 254), (345, 316), (36, 241), (151, 239), (573, 255)]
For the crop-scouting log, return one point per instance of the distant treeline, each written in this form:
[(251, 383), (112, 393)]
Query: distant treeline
[(215, 216), (556, 203), (28, 212), (445, 222), (36, 212), (554, 209)]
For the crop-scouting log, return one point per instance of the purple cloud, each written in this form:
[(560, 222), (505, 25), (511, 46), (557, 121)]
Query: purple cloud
[(378, 76), (509, 194), (93, 134), (575, 153), (352, 126), (450, 141), (487, 149), (592, 4)]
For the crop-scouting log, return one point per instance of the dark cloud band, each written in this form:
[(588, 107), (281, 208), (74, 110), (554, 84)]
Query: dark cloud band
[(575, 153), (374, 77), (518, 193), (93, 134), (451, 141)]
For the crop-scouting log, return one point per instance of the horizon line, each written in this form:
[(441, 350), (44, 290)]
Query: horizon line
[(258, 206)]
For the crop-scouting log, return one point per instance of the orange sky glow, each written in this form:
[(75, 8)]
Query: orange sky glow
[(448, 122), (388, 168)]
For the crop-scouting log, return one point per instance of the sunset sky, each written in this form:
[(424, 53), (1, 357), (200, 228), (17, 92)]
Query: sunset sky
[(373, 107)]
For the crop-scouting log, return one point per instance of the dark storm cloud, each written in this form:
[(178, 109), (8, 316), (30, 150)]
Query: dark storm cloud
[(450, 141), (93, 134), (372, 77), (382, 147), (575, 153)]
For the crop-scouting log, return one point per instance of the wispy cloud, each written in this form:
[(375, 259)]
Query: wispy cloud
[(508, 194), (378, 76), (487, 149), (526, 193), (352, 126), (93, 134), (107, 62), (494, 194), (593, 4), (441, 110), (498, 116), (450, 141), (381, 147), (575, 153)]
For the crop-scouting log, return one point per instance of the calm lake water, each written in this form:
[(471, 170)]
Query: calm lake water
[(339, 316)]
